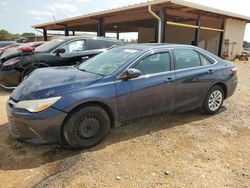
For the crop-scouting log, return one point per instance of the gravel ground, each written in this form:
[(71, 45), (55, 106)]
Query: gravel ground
[(182, 150)]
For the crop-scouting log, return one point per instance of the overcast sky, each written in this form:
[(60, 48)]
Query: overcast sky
[(17, 16)]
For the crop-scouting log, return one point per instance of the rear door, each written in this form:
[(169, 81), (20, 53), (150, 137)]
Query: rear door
[(194, 75), (152, 92)]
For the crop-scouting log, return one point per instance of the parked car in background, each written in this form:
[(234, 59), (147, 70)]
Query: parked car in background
[(16, 49), (16, 64), (31, 44), (7, 43), (78, 105), (4, 45)]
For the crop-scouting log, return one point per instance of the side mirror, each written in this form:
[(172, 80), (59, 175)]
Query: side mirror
[(130, 73), (59, 51)]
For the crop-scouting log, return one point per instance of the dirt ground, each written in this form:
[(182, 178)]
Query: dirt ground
[(182, 150)]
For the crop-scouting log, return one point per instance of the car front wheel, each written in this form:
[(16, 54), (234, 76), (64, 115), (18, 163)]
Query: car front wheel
[(213, 100), (86, 127)]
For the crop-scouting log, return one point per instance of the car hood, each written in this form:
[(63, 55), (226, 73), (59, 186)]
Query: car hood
[(10, 53), (47, 82), (14, 52)]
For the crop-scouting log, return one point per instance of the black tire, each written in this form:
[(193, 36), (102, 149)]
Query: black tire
[(86, 127), (208, 108)]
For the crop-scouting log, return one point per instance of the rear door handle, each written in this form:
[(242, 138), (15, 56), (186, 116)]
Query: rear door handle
[(169, 79), (210, 71)]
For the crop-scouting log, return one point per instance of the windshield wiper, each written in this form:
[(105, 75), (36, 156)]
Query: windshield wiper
[(84, 70)]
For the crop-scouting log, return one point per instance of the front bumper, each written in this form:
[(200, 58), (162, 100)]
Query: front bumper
[(38, 128), (9, 78)]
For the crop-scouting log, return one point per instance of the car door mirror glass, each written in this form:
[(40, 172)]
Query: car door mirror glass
[(130, 73), (59, 51)]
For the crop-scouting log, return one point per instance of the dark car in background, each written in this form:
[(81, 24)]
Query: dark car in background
[(16, 64), (4, 45), (17, 48), (7, 43), (78, 105)]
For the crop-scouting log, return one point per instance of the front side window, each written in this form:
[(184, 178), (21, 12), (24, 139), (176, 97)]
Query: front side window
[(186, 58), (74, 46), (108, 62), (155, 63)]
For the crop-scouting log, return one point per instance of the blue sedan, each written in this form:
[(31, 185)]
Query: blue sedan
[(77, 105)]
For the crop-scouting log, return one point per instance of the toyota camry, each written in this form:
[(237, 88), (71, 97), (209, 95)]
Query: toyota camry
[(77, 105)]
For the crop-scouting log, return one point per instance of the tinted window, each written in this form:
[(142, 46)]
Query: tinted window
[(205, 61), (186, 58), (96, 44), (74, 46), (159, 62), (110, 43)]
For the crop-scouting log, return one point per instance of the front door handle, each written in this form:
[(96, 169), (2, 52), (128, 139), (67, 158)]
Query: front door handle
[(210, 71), (169, 79)]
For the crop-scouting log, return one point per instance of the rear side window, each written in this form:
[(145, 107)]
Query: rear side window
[(205, 61), (186, 58), (110, 43), (96, 44), (155, 63)]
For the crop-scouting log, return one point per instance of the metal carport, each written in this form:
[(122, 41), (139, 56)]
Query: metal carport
[(159, 15)]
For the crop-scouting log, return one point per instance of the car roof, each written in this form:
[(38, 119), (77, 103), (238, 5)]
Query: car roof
[(150, 46), (87, 37), (154, 46)]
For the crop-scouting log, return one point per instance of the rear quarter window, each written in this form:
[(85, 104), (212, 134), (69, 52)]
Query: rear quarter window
[(110, 43), (96, 44), (205, 60)]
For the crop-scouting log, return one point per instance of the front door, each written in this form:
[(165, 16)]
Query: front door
[(150, 93)]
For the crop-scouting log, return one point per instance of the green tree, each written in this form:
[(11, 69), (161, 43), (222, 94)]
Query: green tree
[(28, 34), (5, 35), (246, 44)]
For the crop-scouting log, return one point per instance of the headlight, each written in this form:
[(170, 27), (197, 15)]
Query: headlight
[(37, 105), (11, 61)]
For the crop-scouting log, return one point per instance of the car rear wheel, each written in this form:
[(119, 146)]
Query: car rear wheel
[(213, 100), (86, 127)]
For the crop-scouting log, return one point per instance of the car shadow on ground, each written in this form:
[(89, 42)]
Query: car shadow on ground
[(15, 155), (5, 92)]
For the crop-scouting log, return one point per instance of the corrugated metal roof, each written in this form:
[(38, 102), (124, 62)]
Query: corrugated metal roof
[(152, 2)]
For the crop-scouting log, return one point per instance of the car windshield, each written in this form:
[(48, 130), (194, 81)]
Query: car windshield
[(108, 62), (48, 46)]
